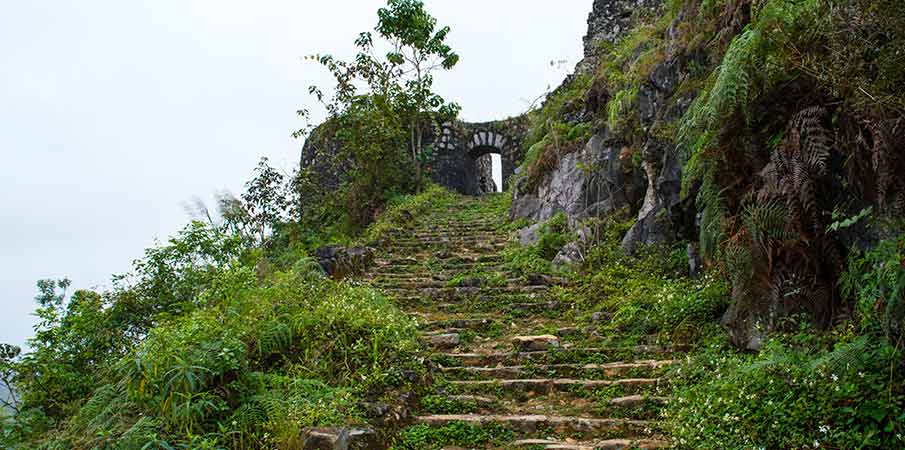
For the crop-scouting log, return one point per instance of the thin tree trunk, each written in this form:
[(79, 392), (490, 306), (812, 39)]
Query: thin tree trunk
[(413, 143), (419, 136)]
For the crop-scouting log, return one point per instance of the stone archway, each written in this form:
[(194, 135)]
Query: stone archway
[(461, 160)]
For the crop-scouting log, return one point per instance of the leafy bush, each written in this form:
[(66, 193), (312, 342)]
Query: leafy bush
[(797, 393), (876, 281), (535, 259), (252, 370), (650, 295)]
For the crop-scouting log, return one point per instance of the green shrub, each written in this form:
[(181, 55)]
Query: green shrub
[(253, 370), (535, 259), (797, 393), (648, 295)]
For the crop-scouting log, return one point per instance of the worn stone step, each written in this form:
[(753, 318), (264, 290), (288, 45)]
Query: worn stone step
[(420, 272), (463, 292), (424, 284), (533, 424), (562, 404), (640, 353), (417, 237), (444, 340), (459, 324), (585, 371), (609, 444), (415, 240), (529, 308), (443, 261), (457, 229), (467, 244), (541, 386), (488, 303)]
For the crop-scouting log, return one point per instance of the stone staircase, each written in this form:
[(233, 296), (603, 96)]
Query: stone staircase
[(507, 354)]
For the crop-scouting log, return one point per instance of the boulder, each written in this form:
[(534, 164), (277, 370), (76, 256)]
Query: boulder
[(340, 439), (569, 256), (529, 236), (340, 262), (449, 340), (535, 343)]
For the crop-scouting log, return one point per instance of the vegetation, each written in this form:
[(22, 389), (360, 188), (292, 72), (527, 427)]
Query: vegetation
[(237, 362), (380, 107), (228, 335)]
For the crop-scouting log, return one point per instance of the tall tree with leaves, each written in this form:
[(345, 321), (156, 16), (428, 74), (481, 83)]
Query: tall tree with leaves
[(399, 85), (264, 199), (418, 50)]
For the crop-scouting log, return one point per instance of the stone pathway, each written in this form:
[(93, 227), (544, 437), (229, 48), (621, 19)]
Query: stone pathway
[(506, 356)]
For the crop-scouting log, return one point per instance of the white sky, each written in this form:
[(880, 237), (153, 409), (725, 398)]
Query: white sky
[(113, 113)]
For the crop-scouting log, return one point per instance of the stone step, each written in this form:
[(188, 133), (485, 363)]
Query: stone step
[(424, 284), (431, 239), (454, 229), (640, 353), (609, 444), (529, 304), (542, 386), (585, 371), (533, 424), (440, 260), (631, 406), (464, 292), (420, 272), (459, 324), (487, 244), (525, 308), (444, 341), (409, 237)]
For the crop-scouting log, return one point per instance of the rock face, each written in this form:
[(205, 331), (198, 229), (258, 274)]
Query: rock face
[(595, 181), (340, 262), (610, 19), (638, 174), (486, 184)]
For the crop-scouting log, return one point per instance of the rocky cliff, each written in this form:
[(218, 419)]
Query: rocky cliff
[(763, 150)]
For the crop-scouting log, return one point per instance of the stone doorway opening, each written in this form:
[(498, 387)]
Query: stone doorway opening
[(490, 173)]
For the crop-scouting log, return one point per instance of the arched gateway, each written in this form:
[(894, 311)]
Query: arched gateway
[(461, 158)]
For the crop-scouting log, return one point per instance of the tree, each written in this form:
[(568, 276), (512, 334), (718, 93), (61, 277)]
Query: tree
[(398, 93), (8, 398), (419, 49), (265, 199)]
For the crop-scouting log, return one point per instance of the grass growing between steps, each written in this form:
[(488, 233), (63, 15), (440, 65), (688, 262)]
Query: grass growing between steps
[(423, 437), (403, 211)]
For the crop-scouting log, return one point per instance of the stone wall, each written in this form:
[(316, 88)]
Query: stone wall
[(456, 158)]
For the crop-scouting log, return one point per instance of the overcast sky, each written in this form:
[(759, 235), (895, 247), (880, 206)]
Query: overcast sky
[(114, 113)]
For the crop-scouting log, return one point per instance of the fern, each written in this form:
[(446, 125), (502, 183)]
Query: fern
[(766, 222), (845, 356), (619, 105), (713, 217)]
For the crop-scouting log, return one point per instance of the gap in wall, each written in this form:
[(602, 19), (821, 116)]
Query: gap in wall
[(497, 162)]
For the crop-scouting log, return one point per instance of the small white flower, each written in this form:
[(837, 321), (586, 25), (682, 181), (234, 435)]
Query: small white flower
[(824, 429)]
